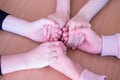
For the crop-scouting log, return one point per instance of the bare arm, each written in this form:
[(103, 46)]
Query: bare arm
[(63, 6), (62, 13), (39, 57), (91, 8)]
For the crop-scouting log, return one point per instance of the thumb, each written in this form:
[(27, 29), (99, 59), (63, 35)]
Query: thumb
[(60, 51)]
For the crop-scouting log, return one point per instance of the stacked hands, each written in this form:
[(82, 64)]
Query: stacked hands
[(57, 30), (77, 33)]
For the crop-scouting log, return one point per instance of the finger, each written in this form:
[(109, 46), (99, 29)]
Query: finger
[(75, 39), (61, 51), (65, 34), (76, 42), (70, 40), (50, 46), (62, 39), (72, 27), (51, 40), (52, 60), (56, 43), (57, 35), (81, 40), (59, 31), (64, 29), (63, 46), (66, 39), (65, 42), (49, 32), (45, 30), (55, 39), (52, 53)]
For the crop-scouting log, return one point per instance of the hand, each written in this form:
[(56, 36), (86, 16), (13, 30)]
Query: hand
[(43, 55), (76, 22), (43, 30), (87, 40), (63, 62), (59, 18), (92, 42), (40, 57)]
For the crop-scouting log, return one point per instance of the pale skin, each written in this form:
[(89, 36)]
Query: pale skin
[(62, 13), (40, 57), (49, 29), (41, 30), (63, 62), (87, 40), (82, 19)]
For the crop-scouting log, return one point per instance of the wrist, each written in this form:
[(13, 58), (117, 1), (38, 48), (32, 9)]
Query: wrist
[(28, 60), (66, 14)]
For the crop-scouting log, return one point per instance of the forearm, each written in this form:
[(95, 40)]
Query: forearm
[(63, 6), (91, 8), (15, 25), (76, 71), (11, 63)]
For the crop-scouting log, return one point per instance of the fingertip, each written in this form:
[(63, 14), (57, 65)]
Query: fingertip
[(64, 29), (66, 38), (55, 39)]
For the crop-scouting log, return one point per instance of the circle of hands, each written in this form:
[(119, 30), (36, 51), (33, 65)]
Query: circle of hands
[(60, 33)]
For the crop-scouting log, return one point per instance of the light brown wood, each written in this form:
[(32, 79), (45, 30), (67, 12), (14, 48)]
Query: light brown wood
[(106, 22)]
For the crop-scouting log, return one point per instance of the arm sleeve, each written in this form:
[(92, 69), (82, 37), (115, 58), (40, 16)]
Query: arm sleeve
[(2, 17), (111, 45), (88, 75)]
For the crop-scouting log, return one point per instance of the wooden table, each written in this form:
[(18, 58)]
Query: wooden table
[(106, 22)]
